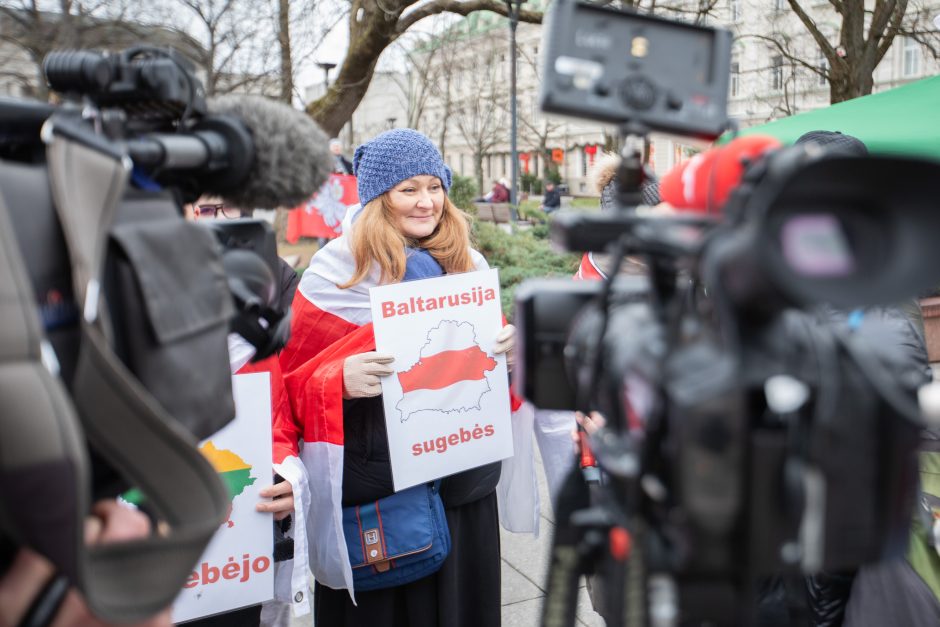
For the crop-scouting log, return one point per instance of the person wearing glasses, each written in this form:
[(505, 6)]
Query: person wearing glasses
[(211, 208), (278, 497)]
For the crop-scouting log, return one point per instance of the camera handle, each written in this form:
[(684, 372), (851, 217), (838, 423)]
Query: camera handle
[(631, 174)]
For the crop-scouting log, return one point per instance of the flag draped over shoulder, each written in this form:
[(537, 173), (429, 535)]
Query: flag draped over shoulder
[(589, 270), (290, 577), (329, 325), (322, 214)]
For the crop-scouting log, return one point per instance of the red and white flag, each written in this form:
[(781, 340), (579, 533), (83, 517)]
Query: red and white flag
[(322, 214)]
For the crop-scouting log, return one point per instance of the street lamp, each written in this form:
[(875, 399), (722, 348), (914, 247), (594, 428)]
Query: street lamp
[(326, 66), (513, 7)]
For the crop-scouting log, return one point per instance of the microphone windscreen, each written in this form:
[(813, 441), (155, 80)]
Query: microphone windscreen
[(703, 183), (292, 157)]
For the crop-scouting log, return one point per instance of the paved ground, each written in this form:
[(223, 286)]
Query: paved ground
[(524, 566)]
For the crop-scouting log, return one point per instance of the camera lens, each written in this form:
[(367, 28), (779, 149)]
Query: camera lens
[(77, 71)]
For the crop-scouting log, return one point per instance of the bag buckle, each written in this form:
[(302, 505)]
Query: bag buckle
[(374, 549)]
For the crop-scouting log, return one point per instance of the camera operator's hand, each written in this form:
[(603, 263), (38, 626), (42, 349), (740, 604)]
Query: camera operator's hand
[(591, 425), (114, 522), (282, 500), (26, 578), (505, 342), (361, 374)]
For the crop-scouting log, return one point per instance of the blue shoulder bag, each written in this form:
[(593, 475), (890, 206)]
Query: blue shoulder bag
[(397, 539)]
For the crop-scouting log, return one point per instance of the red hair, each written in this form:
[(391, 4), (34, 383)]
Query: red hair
[(376, 238)]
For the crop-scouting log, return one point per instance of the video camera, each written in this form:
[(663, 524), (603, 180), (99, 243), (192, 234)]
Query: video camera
[(120, 310), (760, 404)]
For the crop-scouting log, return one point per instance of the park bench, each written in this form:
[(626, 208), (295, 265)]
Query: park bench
[(497, 212)]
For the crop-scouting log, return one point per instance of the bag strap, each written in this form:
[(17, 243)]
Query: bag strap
[(40, 438), (132, 431)]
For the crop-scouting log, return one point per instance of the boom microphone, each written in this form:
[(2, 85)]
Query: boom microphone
[(703, 183), (291, 154), (252, 152)]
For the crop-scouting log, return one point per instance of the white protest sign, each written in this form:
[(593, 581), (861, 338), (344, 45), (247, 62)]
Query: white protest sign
[(236, 569), (447, 404)]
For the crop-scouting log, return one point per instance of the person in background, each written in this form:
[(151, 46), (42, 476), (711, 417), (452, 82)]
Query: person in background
[(341, 164), (279, 497), (407, 228), (499, 193), (214, 208), (551, 201)]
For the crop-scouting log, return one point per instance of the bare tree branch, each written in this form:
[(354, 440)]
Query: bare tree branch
[(465, 7)]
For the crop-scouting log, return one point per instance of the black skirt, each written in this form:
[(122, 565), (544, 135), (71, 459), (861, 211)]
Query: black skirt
[(465, 592)]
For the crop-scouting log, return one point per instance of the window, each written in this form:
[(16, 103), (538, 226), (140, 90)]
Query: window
[(823, 64), (780, 5), (776, 72), (461, 164), (489, 166), (911, 57), (584, 162), (734, 8), (735, 78)]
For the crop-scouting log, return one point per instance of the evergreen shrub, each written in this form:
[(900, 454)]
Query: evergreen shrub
[(520, 255), (463, 190)]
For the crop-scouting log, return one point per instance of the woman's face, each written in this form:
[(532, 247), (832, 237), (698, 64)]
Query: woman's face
[(417, 204)]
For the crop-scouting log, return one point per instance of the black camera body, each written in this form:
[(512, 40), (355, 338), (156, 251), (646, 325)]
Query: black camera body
[(611, 66), (153, 90), (758, 384), (124, 308)]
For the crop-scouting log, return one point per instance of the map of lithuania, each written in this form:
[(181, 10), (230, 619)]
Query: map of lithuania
[(450, 374), (233, 470)]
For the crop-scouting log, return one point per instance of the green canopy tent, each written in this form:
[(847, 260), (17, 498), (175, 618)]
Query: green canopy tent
[(903, 120)]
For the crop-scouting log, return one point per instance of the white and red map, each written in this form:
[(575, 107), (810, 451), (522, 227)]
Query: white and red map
[(450, 374)]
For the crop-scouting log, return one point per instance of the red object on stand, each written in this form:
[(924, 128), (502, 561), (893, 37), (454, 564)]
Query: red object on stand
[(591, 151)]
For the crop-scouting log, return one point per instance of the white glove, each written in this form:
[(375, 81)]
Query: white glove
[(505, 342), (361, 374)]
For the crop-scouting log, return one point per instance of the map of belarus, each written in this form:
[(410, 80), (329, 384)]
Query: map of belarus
[(450, 374)]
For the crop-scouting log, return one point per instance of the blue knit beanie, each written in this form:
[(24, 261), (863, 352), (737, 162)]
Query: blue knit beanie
[(393, 157)]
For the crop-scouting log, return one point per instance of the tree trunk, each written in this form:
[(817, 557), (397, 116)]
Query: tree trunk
[(368, 37), (850, 84), (283, 38), (478, 168), (41, 90), (442, 144)]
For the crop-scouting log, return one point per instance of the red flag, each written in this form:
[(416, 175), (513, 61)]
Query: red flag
[(322, 215)]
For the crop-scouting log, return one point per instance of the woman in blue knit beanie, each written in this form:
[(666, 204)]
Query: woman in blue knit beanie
[(406, 228)]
